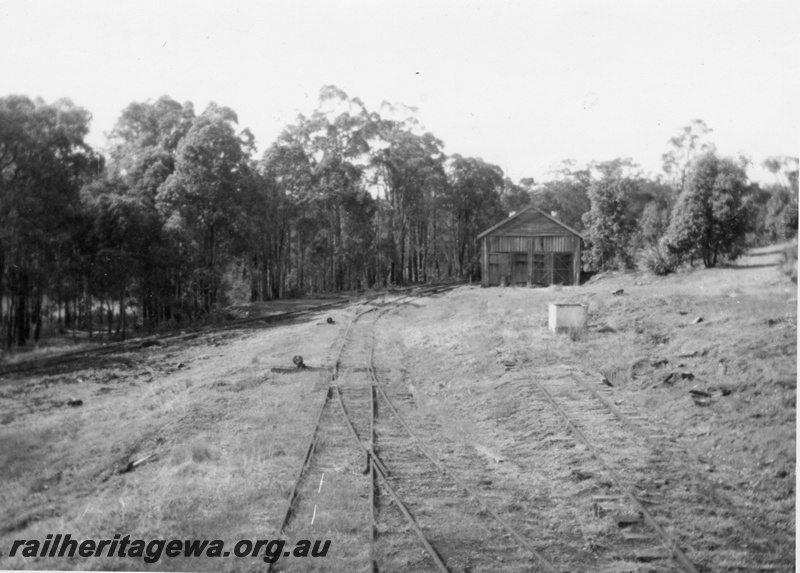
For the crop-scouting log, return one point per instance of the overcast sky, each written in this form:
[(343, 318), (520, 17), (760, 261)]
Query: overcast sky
[(520, 84)]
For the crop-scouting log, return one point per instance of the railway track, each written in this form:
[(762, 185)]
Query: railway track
[(652, 505), (661, 516), (746, 545), (466, 529), (66, 358), (683, 455), (409, 511), (623, 499), (333, 474)]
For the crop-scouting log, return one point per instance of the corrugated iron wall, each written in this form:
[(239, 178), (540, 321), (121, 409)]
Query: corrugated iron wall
[(563, 244)]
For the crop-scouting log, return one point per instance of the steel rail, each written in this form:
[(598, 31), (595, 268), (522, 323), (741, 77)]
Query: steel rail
[(377, 466), (440, 565), (668, 542), (371, 467), (137, 342), (718, 498), (309, 451), (367, 450), (315, 434), (374, 465), (524, 543)]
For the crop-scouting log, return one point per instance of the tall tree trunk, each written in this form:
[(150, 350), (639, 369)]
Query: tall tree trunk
[(122, 311), (22, 310), (2, 286), (89, 310), (301, 268), (119, 319), (10, 329), (37, 314), (74, 320), (401, 265)]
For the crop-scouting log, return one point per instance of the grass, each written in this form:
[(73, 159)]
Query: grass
[(205, 490), (743, 352), (229, 435), (227, 439), (46, 349), (612, 357)]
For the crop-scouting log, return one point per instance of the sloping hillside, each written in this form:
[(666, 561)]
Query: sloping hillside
[(707, 358)]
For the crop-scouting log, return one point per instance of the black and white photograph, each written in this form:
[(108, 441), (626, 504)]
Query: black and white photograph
[(456, 286)]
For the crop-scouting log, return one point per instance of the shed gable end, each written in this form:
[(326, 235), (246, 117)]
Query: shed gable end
[(530, 248), (530, 224)]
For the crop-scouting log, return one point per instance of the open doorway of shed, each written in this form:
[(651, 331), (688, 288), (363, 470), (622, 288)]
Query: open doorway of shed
[(562, 269), (535, 269), (520, 269)]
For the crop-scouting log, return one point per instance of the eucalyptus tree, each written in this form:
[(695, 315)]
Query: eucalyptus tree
[(410, 167), (709, 219), (144, 143), (319, 164), (120, 250), (608, 227), (781, 207), (205, 194), (515, 197), (692, 142), (650, 210), (43, 163), (143, 154), (565, 194), (280, 179), (472, 201)]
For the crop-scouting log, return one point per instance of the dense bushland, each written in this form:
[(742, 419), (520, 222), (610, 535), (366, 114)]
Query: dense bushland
[(177, 217)]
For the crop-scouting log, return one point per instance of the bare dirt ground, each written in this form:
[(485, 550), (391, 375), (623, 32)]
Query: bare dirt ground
[(226, 436)]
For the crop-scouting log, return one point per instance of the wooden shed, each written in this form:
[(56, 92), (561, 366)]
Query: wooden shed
[(530, 248)]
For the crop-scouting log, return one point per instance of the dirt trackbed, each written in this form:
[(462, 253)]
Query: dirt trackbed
[(480, 440)]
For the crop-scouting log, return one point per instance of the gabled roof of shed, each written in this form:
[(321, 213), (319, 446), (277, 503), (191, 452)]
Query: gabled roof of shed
[(526, 210)]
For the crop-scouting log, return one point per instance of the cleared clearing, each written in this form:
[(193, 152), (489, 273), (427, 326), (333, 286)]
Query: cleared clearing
[(227, 435)]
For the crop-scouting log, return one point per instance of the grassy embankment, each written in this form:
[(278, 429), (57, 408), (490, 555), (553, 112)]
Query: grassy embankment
[(226, 436)]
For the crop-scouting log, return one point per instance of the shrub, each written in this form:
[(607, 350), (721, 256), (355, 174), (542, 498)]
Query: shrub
[(608, 232), (654, 222), (790, 218), (789, 261), (659, 261), (709, 219)]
